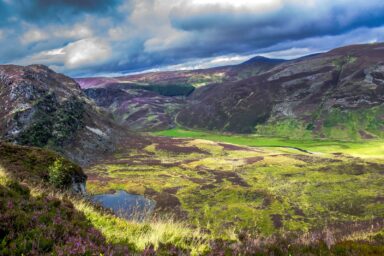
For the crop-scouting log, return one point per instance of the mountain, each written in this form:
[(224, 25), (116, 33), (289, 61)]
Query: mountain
[(338, 94), (262, 59), (150, 101), (139, 110), (46, 109)]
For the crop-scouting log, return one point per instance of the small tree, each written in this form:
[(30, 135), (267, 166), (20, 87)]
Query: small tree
[(58, 174)]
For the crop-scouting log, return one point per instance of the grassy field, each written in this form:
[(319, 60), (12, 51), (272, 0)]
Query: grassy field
[(364, 149), (256, 185)]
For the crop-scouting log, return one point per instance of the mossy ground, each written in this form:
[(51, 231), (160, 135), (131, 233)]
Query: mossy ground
[(228, 189)]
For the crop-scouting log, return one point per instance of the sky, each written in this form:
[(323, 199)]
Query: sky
[(113, 37)]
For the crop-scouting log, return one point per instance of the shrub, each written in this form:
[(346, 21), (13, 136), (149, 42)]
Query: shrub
[(58, 174)]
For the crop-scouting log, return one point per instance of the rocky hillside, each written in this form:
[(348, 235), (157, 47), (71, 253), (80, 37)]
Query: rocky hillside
[(45, 109), (137, 109), (339, 94), (150, 101)]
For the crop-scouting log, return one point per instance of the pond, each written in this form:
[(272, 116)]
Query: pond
[(126, 205)]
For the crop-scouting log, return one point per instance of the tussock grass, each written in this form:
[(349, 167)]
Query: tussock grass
[(154, 231)]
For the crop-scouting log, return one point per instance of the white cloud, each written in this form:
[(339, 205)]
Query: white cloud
[(33, 35), (86, 52), (81, 54), (260, 5), (76, 31)]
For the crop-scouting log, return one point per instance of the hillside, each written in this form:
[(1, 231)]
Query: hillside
[(40, 224), (338, 94), (150, 101), (42, 212), (46, 109), (137, 109)]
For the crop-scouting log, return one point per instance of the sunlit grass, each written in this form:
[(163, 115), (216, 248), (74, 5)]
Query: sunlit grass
[(365, 149), (152, 231)]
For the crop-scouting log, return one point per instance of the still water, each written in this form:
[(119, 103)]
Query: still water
[(126, 205)]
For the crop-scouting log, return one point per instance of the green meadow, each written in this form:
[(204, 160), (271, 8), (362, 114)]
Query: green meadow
[(360, 148), (227, 185)]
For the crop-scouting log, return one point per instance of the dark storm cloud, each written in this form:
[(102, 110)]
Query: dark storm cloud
[(229, 30), (56, 10), (100, 36)]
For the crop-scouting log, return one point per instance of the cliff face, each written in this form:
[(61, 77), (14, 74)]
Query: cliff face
[(45, 109), (339, 92)]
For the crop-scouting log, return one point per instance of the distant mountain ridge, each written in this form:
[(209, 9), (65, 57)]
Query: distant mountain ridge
[(338, 94), (150, 101), (262, 59)]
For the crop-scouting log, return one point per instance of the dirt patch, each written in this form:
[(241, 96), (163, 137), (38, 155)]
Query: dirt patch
[(166, 202), (277, 220), (267, 201), (354, 168), (164, 176), (345, 228), (252, 160), (315, 160), (208, 187), (267, 198), (365, 135), (201, 172), (378, 199), (233, 177), (376, 167), (197, 180), (176, 146), (298, 211), (233, 147), (172, 191), (176, 149)]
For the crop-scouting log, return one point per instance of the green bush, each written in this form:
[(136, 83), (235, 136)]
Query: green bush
[(58, 174)]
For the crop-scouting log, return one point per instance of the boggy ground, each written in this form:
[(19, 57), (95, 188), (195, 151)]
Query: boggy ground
[(227, 189)]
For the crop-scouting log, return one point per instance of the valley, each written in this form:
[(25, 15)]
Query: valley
[(265, 186), (267, 156)]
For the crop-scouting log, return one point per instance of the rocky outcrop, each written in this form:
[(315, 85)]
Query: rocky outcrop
[(46, 109)]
